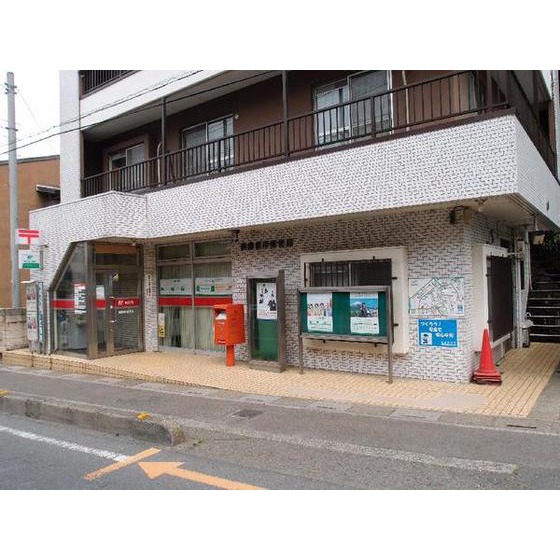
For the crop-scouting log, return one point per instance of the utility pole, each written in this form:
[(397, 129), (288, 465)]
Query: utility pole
[(12, 167)]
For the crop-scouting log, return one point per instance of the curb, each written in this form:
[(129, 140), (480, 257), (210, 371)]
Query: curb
[(155, 428)]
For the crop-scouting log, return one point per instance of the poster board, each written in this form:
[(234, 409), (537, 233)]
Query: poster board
[(347, 314), (351, 313)]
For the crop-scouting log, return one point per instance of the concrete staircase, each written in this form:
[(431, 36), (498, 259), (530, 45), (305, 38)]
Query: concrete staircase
[(544, 297)]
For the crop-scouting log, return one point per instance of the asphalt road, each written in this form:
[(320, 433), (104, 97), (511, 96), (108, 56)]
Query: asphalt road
[(285, 445)]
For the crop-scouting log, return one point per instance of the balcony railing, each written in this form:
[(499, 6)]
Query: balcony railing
[(439, 101), (94, 79)]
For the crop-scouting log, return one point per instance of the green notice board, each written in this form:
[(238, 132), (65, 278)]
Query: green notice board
[(344, 313)]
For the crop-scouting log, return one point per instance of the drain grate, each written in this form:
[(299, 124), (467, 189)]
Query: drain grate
[(246, 413)]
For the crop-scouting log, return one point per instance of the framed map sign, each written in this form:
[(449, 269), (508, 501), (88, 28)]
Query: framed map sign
[(436, 297), (364, 313), (319, 313)]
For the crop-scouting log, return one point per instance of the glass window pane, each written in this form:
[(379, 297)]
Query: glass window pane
[(71, 331), (135, 154), (371, 83), (204, 336), (331, 94), (117, 161), (75, 273), (212, 248), (179, 327), (69, 301), (174, 252), (194, 136)]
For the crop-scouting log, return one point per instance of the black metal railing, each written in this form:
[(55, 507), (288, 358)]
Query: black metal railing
[(443, 100), (125, 179), (94, 79)]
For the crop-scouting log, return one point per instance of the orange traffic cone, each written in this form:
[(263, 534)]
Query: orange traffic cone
[(487, 371)]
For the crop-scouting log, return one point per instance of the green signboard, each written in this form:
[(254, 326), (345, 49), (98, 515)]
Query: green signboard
[(29, 259), (344, 313)]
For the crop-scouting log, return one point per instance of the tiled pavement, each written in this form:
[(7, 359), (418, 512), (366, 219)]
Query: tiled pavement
[(525, 373)]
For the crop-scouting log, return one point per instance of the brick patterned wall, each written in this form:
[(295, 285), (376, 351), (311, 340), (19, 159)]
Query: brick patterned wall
[(459, 163), (435, 248), (150, 298)]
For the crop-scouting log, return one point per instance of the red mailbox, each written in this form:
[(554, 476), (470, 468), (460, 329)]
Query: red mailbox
[(229, 328)]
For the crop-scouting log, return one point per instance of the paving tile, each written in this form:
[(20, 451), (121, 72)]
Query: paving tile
[(525, 373)]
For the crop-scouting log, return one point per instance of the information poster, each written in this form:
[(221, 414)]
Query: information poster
[(364, 313), (216, 286), (267, 302), (175, 286), (79, 298), (161, 325), (31, 313), (319, 313), (438, 332)]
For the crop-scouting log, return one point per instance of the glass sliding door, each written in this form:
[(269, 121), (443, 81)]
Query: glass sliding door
[(208, 146), (354, 120), (118, 311), (128, 172)]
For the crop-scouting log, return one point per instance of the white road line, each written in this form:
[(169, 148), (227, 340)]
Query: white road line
[(65, 444), (377, 452)]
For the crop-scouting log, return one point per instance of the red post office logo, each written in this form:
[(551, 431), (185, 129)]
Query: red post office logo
[(126, 302)]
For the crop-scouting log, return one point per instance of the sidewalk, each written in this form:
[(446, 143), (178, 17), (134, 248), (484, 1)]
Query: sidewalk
[(525, 373)]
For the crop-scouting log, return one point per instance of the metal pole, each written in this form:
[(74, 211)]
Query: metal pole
[(389, 308), (12, 166), (285, 110), (163, 146)]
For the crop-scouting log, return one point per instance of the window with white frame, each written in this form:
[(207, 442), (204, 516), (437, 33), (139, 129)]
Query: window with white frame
[(353, 118), (209, 146)]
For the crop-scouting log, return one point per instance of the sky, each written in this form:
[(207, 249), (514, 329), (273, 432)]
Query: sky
[(37, 109)]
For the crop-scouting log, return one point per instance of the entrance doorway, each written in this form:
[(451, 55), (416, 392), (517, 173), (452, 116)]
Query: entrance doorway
[(96, 301), (118, 311), (500, 297)]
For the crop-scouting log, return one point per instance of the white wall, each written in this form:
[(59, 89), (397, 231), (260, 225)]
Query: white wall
[(138, 89), (70, 143)]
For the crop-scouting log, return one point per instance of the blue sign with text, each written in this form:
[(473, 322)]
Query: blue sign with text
[(438, 332)]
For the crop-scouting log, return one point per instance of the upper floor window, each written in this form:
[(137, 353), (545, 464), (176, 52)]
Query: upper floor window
[(126, 169), (353, 118), (209, 146), (129, 156)]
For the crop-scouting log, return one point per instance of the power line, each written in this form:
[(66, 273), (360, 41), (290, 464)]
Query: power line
[(139, 110), (28, 108), (144, 91)]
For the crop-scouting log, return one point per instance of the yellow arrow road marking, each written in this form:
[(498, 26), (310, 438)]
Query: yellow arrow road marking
[(120, 464), (154, 470)]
